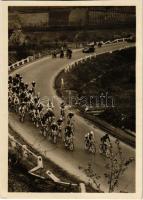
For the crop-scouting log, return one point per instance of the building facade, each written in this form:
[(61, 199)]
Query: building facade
[(74, 16)]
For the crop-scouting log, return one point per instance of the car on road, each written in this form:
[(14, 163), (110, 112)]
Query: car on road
[(89, 49)]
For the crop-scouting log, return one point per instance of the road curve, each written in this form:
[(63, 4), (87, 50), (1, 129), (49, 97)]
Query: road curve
[(44, 72)]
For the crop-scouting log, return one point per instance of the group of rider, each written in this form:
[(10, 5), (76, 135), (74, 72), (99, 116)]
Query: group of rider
[(62, 53), (22, 98)]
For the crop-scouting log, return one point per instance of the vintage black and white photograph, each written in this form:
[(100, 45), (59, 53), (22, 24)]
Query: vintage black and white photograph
[(72, 99)]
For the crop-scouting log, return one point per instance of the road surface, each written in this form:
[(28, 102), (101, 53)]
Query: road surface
[(44, 72)]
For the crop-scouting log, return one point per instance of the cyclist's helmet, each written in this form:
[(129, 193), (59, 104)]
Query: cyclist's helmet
[(26, 85), (33, 83), (70, 115), (10, 77), (17, 75), (91, 133)]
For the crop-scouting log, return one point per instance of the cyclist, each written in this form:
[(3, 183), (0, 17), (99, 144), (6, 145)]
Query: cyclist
[(90, 142), (68, 132), (59, 123), (16, 103), (22, 111), (50, 105), (69, 118), (89, 137), (105, 140), (62, 110), (33, 87), (68, 138), (54, 132)]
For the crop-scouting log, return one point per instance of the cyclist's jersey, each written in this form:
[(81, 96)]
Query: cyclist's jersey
[(59, 127), (89, 138), (68, 134), (10, 99), (54, 127), (22, 96), (62, 106), (37, 114), (59, 122), (16, 101), (31, 107), (105, 138), (68, 131), (70, 115), (50, 113), (22, 108), (40, 107), (43, 121), (26, 99)]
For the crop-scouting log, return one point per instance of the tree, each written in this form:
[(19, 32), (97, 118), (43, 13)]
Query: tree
[(17, 38), (19, 42), (114, 168)]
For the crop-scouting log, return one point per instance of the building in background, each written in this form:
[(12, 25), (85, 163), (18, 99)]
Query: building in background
[(91, 17)]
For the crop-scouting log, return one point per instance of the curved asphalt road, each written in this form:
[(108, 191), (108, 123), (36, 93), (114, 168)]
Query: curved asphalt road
[(43, 72)]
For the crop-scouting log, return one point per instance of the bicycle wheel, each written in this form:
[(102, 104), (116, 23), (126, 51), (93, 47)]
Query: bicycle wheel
[(93, 148), (71, 147), (100, 149), (107, 153)]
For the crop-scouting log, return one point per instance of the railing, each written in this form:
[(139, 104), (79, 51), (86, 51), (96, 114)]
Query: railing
[(32, 58), (37, 161), (81, 60), (23, 61), (114, 41)]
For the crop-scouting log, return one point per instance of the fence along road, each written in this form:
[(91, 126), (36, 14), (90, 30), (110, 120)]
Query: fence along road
[(43, 72)]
